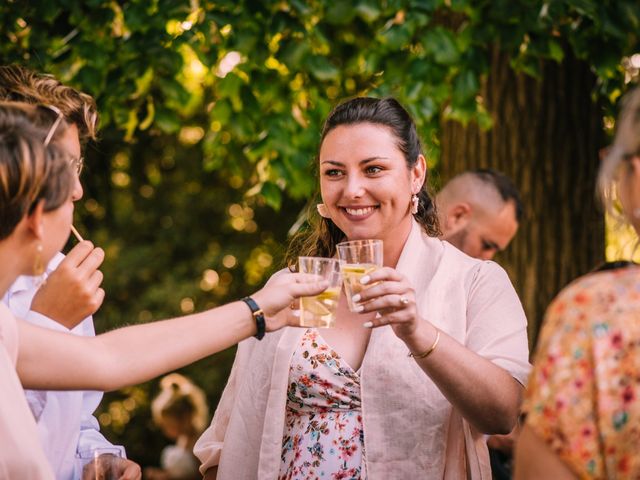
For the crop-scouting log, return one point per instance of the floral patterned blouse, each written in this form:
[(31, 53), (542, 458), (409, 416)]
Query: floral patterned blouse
[(323, 436), (583, 397)]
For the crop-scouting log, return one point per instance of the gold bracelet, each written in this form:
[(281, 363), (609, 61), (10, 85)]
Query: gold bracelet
[(430, 351)]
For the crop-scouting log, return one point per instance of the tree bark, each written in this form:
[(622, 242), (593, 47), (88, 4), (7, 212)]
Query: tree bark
[(546, 135)]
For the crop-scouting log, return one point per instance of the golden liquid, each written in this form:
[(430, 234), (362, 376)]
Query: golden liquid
[(320, 310), (351, 275)]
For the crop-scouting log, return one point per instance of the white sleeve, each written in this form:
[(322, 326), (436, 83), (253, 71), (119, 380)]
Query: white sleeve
[(497, 328)]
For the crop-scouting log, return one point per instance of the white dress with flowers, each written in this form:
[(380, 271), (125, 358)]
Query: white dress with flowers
[(323, 436)]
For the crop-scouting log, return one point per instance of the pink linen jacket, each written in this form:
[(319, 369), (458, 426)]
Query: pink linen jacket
[(411, 430)]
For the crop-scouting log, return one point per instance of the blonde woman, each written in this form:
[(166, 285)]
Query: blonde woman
[(583, 402)]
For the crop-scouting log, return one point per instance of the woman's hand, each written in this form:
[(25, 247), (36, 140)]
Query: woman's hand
[(393, 298), (275, 298)]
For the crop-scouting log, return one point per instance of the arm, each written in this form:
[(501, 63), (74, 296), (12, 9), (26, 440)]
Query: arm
[(50, 360), (534, 459), (72, 291), (484, 392)]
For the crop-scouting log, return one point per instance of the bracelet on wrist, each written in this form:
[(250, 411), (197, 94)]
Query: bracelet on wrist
[(258, 316), (430, 350)]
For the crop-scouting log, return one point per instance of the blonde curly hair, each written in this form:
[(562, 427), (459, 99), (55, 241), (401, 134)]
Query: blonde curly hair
[(180, 398)]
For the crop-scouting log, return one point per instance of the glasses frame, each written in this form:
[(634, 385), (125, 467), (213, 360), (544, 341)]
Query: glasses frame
[(54, 126), (77, 163)]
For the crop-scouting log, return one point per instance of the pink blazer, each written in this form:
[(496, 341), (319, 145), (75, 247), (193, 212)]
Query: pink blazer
[(411, 430)]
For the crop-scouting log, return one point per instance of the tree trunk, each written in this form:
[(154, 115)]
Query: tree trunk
[(546, 136)]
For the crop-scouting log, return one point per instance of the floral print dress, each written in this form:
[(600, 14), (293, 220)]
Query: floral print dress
[(323, 436), (583, 398)]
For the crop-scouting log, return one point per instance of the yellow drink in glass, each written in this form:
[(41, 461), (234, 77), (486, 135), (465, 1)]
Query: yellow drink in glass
[(320, 310), (351, 275)]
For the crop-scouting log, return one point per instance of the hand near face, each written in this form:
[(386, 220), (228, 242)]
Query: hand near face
[(393, 298), (72, 292), (281, 291)]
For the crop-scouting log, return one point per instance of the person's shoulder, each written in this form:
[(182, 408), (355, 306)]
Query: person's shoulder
[(600, 292), (454, 255)]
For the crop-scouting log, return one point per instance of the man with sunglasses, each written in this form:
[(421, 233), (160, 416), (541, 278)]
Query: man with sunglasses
[(72, 292)]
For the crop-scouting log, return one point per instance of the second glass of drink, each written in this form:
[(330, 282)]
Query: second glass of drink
[(358, 258), (320, 310)]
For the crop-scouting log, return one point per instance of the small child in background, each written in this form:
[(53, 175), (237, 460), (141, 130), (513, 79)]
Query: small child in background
[(181, 412)]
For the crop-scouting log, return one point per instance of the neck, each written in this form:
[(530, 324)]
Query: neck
[(394, 243), (12, 266)]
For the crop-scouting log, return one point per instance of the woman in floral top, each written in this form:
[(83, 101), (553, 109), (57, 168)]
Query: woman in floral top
[(583, 402), (349, 402), (323, 435)]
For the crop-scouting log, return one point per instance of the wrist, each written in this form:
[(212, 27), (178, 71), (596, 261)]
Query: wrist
[(258, 316), (422, 338)]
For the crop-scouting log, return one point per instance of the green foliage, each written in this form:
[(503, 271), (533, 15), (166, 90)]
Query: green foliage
[(211, 113)]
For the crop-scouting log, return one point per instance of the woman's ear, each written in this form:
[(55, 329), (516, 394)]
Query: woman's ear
[(35, 220), (418, 173)]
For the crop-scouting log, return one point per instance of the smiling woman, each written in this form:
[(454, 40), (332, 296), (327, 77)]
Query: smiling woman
[(443, 364)]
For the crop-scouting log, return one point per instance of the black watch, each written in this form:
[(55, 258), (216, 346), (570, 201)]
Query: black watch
[(258, 316)]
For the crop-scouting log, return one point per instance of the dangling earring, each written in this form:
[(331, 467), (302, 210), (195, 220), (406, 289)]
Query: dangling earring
[(38, 266), (414, 204), (322, 210)]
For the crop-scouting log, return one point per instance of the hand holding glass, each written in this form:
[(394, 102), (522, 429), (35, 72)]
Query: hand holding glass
[(358, 258), (320, 310), (101, 463)]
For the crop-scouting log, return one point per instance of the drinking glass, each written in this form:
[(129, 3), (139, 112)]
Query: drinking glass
[(320, 310), (101, 463), (358, 258)]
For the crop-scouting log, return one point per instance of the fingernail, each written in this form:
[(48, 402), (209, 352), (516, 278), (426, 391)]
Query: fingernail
[(364, 280), (358, 308), (356, 298), (367, 324)]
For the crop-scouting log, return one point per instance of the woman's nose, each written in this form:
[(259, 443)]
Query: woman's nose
[(77, 191), (355, 187)]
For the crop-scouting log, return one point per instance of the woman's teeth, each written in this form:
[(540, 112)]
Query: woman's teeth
[(360, 211)]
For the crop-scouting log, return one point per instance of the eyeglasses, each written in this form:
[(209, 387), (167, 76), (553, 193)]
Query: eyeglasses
[(77, 163), (54, 125)]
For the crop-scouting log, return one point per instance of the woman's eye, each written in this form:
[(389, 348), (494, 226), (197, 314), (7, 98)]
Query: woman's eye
[(334, 172), (373, 169)]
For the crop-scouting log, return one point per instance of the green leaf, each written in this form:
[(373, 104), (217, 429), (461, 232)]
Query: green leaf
[(340, 13), (368, 11), (465, 86), (396, 37), (555, 51), (167, 121), (322, 69), (272, 195), (440, 43)]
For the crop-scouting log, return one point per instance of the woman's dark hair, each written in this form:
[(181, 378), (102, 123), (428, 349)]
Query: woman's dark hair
[(323, 235)]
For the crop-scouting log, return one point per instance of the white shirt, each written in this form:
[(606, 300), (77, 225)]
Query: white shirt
[(66, 424)]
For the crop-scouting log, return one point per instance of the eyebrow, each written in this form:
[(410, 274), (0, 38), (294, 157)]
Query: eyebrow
[(361, 162)]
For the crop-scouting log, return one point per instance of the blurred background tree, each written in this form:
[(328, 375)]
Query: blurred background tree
[(211, 112)]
